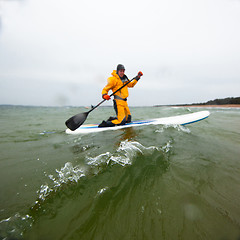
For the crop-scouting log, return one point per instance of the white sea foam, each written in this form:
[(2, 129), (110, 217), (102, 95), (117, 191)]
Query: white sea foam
[(123, 156), (126, 152), (101, 191), (102, 158), (180, 128), (69, 173), (66, 174), (43, 192), (166, 148)]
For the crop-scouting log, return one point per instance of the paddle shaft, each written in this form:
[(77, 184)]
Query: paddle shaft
[(111, 95)]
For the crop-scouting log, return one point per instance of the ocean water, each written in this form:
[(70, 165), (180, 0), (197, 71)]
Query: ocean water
[(148, 182)]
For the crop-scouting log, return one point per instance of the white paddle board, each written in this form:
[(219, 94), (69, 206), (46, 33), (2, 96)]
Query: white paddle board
[(175, 120)]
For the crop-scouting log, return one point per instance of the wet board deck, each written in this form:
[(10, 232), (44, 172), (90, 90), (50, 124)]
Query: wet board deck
[(174, 120)]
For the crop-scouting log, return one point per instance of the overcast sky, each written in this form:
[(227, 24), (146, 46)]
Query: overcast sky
[(58, 52)]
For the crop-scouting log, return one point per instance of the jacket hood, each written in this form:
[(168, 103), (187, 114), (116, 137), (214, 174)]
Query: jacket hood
[(114, 73)]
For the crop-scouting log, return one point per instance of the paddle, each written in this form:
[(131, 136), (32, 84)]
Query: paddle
[(77, 120)]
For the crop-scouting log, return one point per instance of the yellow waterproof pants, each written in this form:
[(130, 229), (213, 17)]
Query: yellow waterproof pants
[(122, 111)]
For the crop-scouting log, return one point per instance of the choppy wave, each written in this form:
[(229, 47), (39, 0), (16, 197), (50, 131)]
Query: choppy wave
[(123, 156), (14, 227), (163, 182)]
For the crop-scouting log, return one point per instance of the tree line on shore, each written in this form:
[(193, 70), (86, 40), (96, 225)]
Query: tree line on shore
[(223, 101), (229, 100)]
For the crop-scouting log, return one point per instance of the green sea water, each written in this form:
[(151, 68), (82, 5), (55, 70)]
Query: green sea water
[(147, 182)]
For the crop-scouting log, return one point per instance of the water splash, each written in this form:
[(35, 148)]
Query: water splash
[(69, 173), (14, 227), (179, 128), (43, 192), (128, 150), (182, 128), (123, 156), (166, 148), (100, 159), (101, 191), (66, 174)]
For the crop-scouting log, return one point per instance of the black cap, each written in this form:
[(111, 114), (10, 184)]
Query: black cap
[(119, 67)]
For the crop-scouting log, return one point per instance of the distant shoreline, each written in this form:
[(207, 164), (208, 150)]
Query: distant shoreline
[(210, 106), (230, 102)]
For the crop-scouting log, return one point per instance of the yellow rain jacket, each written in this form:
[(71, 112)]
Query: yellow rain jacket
[(114, 83), (121, 107)]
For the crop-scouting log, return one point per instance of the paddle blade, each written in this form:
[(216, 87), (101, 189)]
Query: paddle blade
[(76, 121)]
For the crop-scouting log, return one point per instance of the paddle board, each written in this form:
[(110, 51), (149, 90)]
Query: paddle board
[(175, 120)]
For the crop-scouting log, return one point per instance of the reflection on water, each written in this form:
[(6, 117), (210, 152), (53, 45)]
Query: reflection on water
[(128, 133)]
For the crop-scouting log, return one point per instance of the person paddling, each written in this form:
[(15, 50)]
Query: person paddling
[(116, 81)]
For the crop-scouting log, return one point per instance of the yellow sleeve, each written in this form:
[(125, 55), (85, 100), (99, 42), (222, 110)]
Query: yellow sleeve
[(109, 86), (132, 84)]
